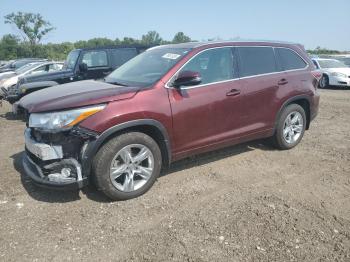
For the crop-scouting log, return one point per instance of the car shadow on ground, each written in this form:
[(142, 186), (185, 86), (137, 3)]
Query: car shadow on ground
[(216, 155), (58, 196), (335, 88)]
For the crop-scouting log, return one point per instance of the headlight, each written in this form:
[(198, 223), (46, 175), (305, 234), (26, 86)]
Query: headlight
[(338, 74), (63, 119)]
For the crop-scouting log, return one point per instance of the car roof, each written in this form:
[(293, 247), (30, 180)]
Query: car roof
[(113, 47), (192, 45)]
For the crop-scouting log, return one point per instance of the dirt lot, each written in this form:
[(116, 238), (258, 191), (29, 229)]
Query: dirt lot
[(244, 203)]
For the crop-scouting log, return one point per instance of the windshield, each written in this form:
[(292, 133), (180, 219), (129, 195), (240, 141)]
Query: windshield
[(331, 63), (71, 60), (345, 60), (148, 67), (25, 68)]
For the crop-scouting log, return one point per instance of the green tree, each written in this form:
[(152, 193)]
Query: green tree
[(151, 38), (129, 41), (180, 37), (8, 47), (32, 26), (94, 42)]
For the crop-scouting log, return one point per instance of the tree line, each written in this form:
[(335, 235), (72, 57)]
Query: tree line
[(12, 47), (32, 28)]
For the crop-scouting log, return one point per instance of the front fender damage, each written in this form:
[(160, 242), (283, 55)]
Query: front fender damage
[(56, 158)]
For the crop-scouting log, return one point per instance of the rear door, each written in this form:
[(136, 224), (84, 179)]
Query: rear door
[(261, 80), (295, 68)]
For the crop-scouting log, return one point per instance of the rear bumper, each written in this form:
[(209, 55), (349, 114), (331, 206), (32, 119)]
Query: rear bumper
[(35, 173)]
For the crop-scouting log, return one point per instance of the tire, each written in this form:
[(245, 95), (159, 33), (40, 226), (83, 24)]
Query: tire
[(324, 82), (288, 136), (120, 155)]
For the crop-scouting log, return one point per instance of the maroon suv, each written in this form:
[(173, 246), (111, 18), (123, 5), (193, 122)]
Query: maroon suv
[(165, 104)]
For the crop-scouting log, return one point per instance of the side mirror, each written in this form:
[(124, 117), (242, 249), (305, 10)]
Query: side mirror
[(187, 78), (83, 67)]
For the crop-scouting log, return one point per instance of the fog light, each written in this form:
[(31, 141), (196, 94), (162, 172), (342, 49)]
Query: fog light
[(65, 172)]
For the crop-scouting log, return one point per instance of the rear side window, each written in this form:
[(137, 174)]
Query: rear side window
[(290, 60), (120, 56), (256, 61)]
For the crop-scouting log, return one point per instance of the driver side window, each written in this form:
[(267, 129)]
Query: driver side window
[(214, 65), (40, 69)]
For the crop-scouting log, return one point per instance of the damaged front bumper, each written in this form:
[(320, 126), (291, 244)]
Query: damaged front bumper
[(11, 94), (57, 160)]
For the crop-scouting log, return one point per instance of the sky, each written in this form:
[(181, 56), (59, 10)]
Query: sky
[(309, 22)]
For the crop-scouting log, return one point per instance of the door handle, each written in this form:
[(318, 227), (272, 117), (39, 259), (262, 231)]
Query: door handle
[(282, 82), (233, 92)]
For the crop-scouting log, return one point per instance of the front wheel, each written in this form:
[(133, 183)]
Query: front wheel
[(127, 166), (290, 127)]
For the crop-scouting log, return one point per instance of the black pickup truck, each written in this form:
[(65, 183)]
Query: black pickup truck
[(81, 64)]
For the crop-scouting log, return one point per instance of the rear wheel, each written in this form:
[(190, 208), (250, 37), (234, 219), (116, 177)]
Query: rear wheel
[(324, 82), (127, 166), (290, 127)]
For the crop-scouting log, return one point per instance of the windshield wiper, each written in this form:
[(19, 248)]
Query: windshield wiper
[(116, 83)]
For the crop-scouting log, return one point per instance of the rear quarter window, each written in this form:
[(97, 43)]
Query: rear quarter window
[(289, 59), (256, 61), (120, 56)]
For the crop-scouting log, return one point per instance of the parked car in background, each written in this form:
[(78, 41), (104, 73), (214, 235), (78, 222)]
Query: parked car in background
[(2, 63), (81, 64), (168, 103), (345, 60), (30, 69), (12, 66), (334, 72)]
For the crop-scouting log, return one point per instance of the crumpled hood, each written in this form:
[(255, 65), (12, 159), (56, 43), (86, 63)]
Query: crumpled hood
[(76, 94)]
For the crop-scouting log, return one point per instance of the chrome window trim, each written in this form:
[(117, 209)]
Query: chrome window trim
[(306, 66), (239, 78)]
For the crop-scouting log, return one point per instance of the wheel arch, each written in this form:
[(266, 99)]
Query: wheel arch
[(150, 127), (303, 101)]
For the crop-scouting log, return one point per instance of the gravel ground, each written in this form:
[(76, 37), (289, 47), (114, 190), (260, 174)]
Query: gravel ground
[(244, 203)]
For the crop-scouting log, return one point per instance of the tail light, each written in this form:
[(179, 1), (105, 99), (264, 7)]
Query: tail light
[(317, 74)]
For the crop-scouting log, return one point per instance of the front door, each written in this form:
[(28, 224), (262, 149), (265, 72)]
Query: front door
[(207, 113)]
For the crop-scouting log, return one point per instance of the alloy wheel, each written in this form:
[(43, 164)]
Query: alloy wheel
[(131, 167), (293, 127)]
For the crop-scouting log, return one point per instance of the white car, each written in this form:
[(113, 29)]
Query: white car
[(31, 68), (335, 73)]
